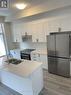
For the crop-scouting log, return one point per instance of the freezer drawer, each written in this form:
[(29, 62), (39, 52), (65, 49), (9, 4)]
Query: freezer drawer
[(59, 66), (63, 67), (52, 65)]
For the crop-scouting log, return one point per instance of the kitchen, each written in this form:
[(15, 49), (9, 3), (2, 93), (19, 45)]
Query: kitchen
[(28, 29)]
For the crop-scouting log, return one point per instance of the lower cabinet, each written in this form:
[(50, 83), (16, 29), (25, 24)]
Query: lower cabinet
[(40, 58)]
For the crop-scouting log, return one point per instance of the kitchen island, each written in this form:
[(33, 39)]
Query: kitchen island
[(25, 78)]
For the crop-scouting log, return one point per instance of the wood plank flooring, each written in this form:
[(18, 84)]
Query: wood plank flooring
[(53, 85), (56, 85), (4, 90)]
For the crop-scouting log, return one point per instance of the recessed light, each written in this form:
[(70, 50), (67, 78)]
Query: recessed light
[(21, 6)]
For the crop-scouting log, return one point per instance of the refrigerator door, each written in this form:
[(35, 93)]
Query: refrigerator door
[(62, 45), (52, 65), (63, 67), (51, 45)]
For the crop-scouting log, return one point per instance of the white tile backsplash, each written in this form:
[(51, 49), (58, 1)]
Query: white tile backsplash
[(37, 46)]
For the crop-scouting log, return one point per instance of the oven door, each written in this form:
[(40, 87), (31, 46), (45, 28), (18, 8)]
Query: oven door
[(25, 56)]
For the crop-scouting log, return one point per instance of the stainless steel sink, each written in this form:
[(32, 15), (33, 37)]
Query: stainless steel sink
[(13, 61)]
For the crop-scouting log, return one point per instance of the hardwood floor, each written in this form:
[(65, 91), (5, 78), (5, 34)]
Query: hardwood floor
[(56, 85), (4, 90), (53, 85)]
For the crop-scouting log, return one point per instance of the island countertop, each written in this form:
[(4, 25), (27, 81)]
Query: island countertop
[(24, 69)]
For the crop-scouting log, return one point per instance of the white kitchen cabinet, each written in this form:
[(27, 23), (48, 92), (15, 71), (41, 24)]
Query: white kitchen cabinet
[(65, 23), (35, 57), (16, 31), (38, 33), (19, 30), (40, 58), (54, 25), (40, 28), (43, 59), (46, 27), (23, 78), (26, 29)]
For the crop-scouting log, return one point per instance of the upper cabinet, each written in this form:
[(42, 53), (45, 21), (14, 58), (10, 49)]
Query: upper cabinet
[(38, 33), (53, 25), (59, 24), (26, 29), (39, 29), (16, 32), (65, 23)]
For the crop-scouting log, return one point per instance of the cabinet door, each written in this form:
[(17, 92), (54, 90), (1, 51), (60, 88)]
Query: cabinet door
[(38, 34), (29, 28), (42, 32), (35, 57), (16, 30), (26, 28), (43, 59), (66, 24), (40, 58), (54, 25), (18, 37), (34, 33), (46, 27)]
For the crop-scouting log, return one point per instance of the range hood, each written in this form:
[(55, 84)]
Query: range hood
[(26, 37)]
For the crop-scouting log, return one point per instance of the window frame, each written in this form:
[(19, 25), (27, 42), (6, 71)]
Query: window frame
[(3, 35)]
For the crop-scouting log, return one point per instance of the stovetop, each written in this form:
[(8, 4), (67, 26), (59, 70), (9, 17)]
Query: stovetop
[(27, 51)]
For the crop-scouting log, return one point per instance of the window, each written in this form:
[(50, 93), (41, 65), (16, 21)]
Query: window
[(2, 44)]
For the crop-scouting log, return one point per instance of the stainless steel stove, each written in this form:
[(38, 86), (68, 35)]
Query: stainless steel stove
[(26, 54)]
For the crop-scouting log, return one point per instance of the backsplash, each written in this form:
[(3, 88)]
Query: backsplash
[(37, 46)]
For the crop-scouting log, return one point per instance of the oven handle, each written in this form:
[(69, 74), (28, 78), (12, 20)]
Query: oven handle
[(24, 55)]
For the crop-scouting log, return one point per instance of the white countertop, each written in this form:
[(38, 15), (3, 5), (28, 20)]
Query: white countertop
[(24, 69), (44, 52)]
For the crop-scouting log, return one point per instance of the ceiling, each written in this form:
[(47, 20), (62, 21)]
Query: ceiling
[(33, 6), (12, 9)]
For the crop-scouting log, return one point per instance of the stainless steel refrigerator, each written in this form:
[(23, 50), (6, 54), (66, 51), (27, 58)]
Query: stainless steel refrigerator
[(58, 48)]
